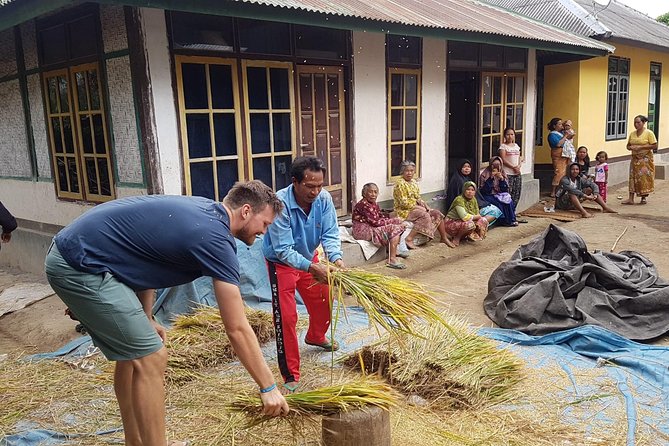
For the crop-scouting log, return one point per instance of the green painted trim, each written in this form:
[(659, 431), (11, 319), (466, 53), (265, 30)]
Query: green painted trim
[(33, 71), (116, 54), (45, 180), (18, 12), (23, 87), (10, 177), (302, 17), (132, 185), (52, 171), (110, 121), (142, 160), (8, 78)]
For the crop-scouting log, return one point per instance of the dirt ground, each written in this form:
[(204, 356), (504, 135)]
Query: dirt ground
[(462, 274)]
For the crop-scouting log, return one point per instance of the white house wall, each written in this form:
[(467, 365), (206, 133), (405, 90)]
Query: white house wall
[(39, 129), (13, 143), (530, 112), (433, 116), (158, 58)]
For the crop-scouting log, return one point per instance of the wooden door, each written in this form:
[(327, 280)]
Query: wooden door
[(322, 125)]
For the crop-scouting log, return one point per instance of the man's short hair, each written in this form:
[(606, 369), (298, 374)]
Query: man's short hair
[(304, 163), (255, 193)]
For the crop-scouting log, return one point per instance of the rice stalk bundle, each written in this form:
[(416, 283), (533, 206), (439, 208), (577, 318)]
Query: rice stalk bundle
[(463, 371), (391, 303), (357, 394), (198, 341)]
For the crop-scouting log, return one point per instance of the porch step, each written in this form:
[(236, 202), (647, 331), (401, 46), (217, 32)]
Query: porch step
[(661, 171), (354, 257)]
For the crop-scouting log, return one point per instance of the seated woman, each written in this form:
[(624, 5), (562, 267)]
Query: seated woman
[(458, 179), (370, 225), (410, 207), (463, 218), (495, 190), (575, 188)]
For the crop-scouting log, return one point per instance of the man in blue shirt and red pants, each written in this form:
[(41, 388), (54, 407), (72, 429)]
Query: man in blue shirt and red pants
[(308, 219)]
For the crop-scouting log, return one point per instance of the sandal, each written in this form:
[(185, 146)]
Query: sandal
[(331, 346), (522, 220), (404, 255), (643, 200), (291, 386), (397, 265)]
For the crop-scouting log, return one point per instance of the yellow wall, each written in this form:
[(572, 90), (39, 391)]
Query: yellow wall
[(587, 109), (561, 86)]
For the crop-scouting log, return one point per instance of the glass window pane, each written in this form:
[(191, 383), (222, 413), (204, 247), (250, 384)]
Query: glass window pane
[(74, 177), (91, 176), (496, 141), (486, 125), (86, 133), (68, 135), (262, 170), (202, 179), (518, 124), (221, 86), (83, 37), (492, 56), (410, 152), (279, 85), (282, 132), (57, 135), (103, 171), (82, 95), (99, 135), (412, 89), (410, 125), (260, 133), (282, 176), (62, 174), (320, 43), (62, 91), (509, 89), (485, 149), (520, 89), (53, 95), (94, 89), (201, 32), (496, 119), (256, 78), (225, 134), (227, 176), (515, 58), (497, 90), (52, 44), (198, 135), (396, 125), (613, 64), (519, 139), (396, 158), (261, 37), (463, 54), (195, 85), (624, 66), (509, 117), (396, 89), (487, 90), (403, 50)]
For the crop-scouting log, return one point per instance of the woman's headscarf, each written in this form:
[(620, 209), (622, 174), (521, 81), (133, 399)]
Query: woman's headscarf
[(470, 205), (487, 173), (455, 184)]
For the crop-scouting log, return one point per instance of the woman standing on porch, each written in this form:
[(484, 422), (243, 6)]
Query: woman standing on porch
[(641, 143)]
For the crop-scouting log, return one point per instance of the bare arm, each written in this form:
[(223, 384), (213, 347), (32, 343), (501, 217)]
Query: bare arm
[(244, 342)]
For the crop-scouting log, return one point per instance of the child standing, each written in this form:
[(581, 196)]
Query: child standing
[(602, 173)]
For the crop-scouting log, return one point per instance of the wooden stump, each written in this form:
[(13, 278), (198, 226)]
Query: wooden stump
[(369, 427)]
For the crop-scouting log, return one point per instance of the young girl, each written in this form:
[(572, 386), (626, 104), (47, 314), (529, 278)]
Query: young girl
[(370, 225), (510, 154), (583, 160), (602, 173)]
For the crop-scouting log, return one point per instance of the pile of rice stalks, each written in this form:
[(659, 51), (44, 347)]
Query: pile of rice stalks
[(358, 394), (198, 341), (392, 303), (464, 370)]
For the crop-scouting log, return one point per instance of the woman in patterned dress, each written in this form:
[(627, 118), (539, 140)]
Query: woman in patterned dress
[(641, 143)]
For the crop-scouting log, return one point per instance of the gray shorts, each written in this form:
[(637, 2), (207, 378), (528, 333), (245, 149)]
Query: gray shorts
[(110, 310)]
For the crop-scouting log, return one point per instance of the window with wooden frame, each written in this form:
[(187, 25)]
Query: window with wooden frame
[(270, 120), (210, 125), (78, 136), (502, 105), (617, 98), (654, 89), (404, 61)]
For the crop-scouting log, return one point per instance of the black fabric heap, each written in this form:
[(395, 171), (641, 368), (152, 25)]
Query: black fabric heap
[(553, 283)]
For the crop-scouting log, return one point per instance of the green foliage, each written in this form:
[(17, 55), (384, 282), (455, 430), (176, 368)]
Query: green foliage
[(664, 18)]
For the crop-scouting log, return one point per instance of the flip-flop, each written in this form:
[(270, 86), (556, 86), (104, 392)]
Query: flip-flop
[(643, 200), (331, 346), (396, 265), (404, 255), (292, 386), (522, 220)]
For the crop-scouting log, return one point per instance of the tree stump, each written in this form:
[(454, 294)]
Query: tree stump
[(368, 427)]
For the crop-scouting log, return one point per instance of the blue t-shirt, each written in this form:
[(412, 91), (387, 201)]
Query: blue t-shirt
[(154, 241)]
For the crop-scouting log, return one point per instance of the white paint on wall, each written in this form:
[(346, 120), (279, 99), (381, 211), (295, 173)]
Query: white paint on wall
[(158, 60), (20, 198), (433, 127), (369, 113), (530, 112)]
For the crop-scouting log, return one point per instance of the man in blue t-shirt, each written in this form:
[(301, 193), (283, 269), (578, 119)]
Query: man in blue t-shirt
[(107, 264), (308, 219)]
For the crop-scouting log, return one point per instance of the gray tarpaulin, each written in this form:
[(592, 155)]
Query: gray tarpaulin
[(553, 283)]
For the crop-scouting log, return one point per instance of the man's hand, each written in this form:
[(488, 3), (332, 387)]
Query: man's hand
[(6, 237), (339, 263), (319, 272), (160, 330), (274, 404), (590, 197)]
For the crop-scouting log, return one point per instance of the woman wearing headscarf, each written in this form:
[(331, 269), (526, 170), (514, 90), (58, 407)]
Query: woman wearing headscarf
[(411, 207), (495, 190), (458, 179), (463, 218)]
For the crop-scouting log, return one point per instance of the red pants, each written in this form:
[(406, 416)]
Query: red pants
[(284, 280)]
